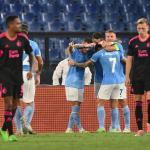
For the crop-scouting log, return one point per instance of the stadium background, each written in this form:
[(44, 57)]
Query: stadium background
[(53, 24)]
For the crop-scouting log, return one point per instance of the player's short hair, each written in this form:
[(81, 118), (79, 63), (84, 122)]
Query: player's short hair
[(25, 28), (97, 35), (10, 19), (110, 31), (142, 20), (87, 40)]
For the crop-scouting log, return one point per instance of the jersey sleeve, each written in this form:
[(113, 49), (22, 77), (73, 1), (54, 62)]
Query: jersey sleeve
[(121, 49), (28, 49), (95, 57), (37, 51), (130, 49)]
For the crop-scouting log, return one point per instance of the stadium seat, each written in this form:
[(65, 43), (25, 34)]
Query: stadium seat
[(88, 11), (57, 25)]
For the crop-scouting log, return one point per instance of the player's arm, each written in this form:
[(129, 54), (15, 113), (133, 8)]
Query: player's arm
[(82, 65), (70, 48), (129, 62), (128, 69), (109, 46), (40, 64)]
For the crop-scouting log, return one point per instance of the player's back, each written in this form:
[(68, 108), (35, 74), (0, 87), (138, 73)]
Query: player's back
[(111, 65)]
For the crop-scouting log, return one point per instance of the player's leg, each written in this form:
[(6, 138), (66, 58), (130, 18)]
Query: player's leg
[(16, 102), (138, 91), (103, 95), (29, 120), (114, 105), (8, 117), (75, 96), (28, 99), (114, 114), (100, 108), (118, 128), (7, 94), (28, 115), (125, 108), (17, 120), (126, 114), (101, 115)]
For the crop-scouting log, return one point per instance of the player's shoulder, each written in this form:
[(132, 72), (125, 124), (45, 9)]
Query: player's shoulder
[(33, 43), (2, 35), (100, 51), (133, 39), (23, 35)]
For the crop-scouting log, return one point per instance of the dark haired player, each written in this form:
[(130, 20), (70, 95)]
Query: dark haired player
[(12, 45), (139, 59)]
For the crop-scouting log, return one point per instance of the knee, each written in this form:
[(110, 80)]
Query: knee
[(114, 104), (123, 103), (100, 103)]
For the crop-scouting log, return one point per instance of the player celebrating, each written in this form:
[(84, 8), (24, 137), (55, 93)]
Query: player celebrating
[(12, 45), (139, 59), (62, 70), (74, 86), (28, 88), (110, 36), (110, 84)]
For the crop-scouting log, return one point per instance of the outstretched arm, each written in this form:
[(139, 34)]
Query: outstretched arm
[(83, 65)]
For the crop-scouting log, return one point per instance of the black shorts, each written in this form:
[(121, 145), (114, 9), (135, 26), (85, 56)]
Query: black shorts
[(140, 86), (7, 89)]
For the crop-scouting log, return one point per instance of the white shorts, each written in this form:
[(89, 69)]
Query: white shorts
[(96, 88), (28, 88), (108, 92), (123, 91), (74, 94)]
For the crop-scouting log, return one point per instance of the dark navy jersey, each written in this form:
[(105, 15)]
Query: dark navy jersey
[(11, 52), (141, 57)]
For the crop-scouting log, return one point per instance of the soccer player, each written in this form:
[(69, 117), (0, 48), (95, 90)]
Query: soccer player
[(139, 59), (12, 45), (110, 36), (110, 84), (74, 86), (28, 88), (62, 70)]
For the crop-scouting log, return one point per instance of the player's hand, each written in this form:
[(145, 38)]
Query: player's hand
[(103, 43), (37, 79), (128, 82), (29, 75), (71, 44), (71, 62)]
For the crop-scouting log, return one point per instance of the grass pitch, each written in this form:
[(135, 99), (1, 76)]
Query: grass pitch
[(91, 141)]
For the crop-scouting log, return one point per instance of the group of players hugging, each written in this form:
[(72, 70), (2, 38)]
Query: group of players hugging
[(18, 77)]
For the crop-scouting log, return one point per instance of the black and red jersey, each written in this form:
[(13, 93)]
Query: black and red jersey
[(11, 52), (140, 50)]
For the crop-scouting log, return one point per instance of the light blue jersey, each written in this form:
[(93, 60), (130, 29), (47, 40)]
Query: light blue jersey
[(111, 65), (36, 52), (75, 76), (121, 50)]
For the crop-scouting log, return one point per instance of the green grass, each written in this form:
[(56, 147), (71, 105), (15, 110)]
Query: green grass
[(93, 141)]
